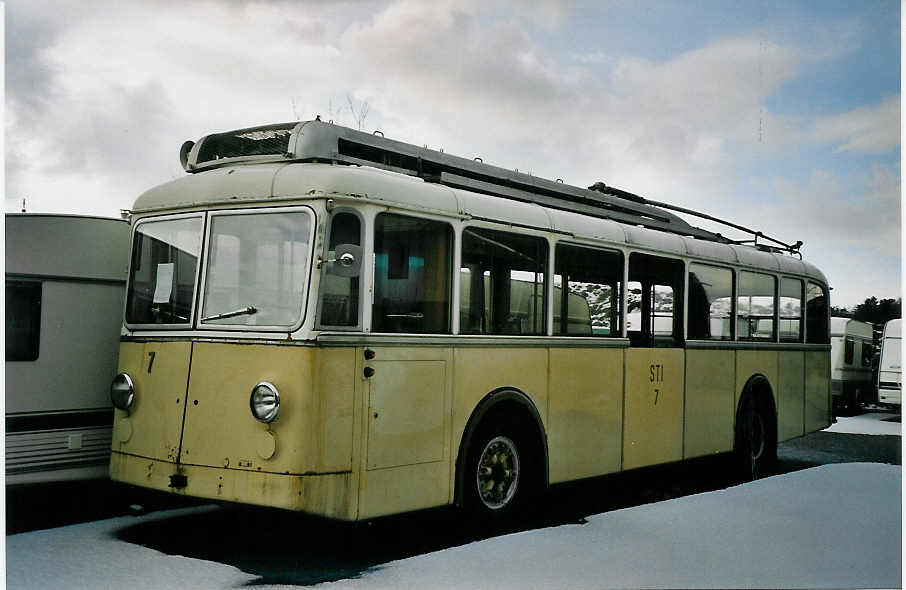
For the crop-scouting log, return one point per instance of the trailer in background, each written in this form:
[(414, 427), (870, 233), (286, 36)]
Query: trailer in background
[(890, 370), (851, 352), (65, 280)]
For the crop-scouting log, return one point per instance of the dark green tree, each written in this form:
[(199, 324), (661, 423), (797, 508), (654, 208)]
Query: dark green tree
[(877, 311)]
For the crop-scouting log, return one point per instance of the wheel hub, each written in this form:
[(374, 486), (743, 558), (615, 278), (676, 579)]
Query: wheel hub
[(497, 475)]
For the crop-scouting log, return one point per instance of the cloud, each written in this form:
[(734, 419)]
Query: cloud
[(873, 129), (100, 95), (861, 209)]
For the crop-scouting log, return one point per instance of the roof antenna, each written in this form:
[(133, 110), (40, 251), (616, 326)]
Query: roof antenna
[(23, 205)]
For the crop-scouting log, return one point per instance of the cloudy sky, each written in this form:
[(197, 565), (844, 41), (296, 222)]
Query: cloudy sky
[(781, 116)]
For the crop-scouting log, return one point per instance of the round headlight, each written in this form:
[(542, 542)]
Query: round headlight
[(265, 402), (122, 392)]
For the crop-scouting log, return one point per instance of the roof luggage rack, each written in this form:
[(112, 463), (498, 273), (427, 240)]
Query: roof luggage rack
[(317, 141)]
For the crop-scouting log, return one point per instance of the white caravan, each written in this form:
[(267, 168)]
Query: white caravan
[(890, 369), (65, 285), (851, 352)]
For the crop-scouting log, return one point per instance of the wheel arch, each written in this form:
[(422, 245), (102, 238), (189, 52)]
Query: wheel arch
[(758, 386), (495, 402)]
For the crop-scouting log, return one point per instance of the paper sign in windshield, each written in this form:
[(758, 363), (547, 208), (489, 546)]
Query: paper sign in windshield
[(164, 282)]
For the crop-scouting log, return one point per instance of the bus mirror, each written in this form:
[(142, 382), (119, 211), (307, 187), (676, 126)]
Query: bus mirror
[(346, 262)]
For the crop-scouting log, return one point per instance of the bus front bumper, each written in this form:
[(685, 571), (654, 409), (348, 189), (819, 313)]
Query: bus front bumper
[(329, 494)]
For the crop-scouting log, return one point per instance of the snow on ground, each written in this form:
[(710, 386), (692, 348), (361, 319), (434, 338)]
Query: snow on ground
[(834, 526), (871, 422), (830, 526)]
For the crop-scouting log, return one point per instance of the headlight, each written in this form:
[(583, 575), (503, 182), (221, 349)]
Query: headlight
[(122, 392), (265, 402)]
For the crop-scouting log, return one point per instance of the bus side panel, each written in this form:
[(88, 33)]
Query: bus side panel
[(152, 426), (791, 395), (817, 394), (653, 431), (710, 386), (755, 362), (479, 371), (586, 412), (335, 398), (408, 430), (220, 430)]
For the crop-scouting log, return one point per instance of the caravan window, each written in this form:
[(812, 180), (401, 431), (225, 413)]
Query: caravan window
[(23, 320)]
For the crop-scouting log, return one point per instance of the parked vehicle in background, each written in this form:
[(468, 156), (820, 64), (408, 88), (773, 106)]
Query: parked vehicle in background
[(890, 370), (851, 352), (65, 284)]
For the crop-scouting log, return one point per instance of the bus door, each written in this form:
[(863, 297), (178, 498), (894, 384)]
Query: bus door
[(408, 371), (655, 366)]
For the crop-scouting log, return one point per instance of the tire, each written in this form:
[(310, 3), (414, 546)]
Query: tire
[(854, 403), (755, 438), (499, 475)]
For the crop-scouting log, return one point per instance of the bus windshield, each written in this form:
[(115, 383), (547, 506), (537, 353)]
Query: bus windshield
[(256, 267), (256, 270), (162, 276)]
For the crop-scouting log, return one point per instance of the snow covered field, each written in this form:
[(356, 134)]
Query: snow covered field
[(830, 526)]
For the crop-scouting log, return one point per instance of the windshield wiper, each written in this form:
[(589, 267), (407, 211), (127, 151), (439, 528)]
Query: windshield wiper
[(250, 310)]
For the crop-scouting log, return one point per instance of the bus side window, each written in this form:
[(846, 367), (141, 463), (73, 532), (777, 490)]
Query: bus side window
[(655, 316), (710, 302), (592, 279), (340, 295), (790, 310), (413, 260), (755, 306), (817, 324), (502, 289)]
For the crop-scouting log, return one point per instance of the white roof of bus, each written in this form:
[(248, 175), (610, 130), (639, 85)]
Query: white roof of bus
[(892, 329), (269, 183)]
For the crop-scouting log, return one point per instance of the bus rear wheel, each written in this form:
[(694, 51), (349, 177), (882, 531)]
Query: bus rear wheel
[(756, 438), (498, 476)]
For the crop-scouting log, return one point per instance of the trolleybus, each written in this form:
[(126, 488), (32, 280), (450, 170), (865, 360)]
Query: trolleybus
[(328, 321)]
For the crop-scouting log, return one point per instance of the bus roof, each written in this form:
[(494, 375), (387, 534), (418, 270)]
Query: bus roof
[(271, 183), (892, 329), (317, 141)]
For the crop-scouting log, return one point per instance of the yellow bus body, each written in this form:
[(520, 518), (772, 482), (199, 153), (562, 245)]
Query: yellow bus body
[(350, 448)]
